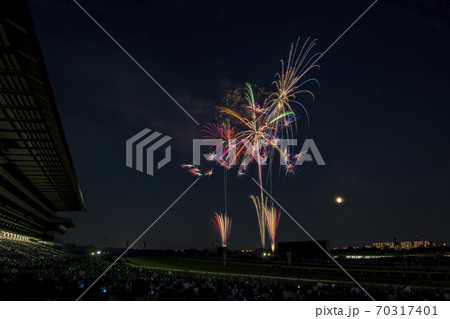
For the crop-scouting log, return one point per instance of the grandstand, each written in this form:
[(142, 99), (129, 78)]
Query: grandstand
[(37, 176)]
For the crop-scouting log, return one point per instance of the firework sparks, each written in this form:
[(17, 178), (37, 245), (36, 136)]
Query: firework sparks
[(289, 169), (209, 172), (260, 206), (195, 171), (302, 156), (252, 133), (212, 156), (290, 83), (272, 221), (258, 139), (242, 170), (223, 225)]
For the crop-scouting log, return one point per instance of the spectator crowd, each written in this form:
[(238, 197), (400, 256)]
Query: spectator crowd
[(30, 271)]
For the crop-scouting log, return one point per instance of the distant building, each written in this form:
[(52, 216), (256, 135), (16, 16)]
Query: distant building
[(301, 249), (248, 252), (385, 245), (404, 245)]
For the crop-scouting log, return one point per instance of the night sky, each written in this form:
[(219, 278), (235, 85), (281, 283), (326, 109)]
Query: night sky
[(380, 120)]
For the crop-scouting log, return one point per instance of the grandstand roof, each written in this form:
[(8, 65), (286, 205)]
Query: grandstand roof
[(36, 170)]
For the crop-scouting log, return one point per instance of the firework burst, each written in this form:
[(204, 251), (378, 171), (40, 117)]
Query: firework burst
[(290, 83), (251, 131), (289, 169)]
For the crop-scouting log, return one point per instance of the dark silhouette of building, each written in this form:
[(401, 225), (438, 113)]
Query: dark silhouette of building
[(37, 176), (302, 249)]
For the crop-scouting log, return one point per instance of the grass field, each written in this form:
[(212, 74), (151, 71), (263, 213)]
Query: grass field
[(326, 273)]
